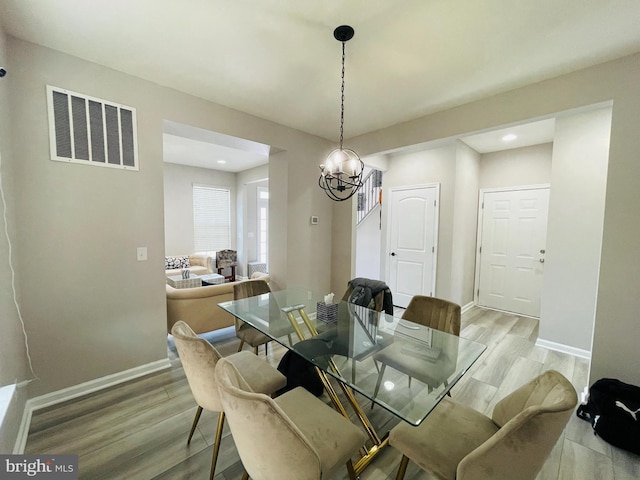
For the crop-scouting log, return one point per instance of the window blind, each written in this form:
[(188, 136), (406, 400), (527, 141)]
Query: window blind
[(211, 218)]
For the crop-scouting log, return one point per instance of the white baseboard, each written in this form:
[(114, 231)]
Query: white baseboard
[(468, 307), (79, 390), (559, 347)]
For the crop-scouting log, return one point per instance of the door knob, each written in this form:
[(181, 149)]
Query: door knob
[(542, 260), (393, 254), (542, 251)]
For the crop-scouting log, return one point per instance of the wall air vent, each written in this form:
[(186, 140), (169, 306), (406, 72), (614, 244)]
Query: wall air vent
[(91, 131)]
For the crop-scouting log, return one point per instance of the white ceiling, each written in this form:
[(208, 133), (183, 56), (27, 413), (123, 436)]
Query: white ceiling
[(196, 147), (533, 133), (278, 60)]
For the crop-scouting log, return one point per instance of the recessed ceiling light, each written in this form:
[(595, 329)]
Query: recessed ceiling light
[(222, 161), (509, 137)]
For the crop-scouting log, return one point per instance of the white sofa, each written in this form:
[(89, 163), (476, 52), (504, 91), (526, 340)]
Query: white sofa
[(196, 263)]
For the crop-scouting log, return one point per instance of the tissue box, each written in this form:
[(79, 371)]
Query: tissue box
[(327, 312)]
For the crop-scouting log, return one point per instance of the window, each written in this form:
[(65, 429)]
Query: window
[(91, 131), (211, 218), (263, 225)]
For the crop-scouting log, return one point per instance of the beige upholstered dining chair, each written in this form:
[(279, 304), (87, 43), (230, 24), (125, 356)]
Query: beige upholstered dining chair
[(294, 436), (199, 359), (431, 312), (245, 332), (458, 443), (434, 313)]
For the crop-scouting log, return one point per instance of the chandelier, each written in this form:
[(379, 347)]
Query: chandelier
[(341, 174)]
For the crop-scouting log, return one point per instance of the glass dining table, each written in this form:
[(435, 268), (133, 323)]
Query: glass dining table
[(352, 344)]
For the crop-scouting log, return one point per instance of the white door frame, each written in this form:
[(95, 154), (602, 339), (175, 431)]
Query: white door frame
[(436, 222), (476, 283)]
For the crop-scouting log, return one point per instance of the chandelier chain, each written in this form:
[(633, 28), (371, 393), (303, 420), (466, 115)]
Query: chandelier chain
[(341, 174), (342, 100)]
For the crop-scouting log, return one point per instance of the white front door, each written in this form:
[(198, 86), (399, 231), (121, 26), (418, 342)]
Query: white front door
[(413, 221), (512, 249)]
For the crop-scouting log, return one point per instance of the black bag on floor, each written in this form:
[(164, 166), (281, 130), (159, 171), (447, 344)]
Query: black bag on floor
[(613, 409)]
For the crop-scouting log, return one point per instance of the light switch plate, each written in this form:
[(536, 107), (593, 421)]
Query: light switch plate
[(142, 254)]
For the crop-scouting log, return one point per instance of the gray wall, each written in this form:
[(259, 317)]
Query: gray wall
[(437, 165), (84, 294), (178, 204), (617, 335), (516, 167), (465, 215), (13, 361), (574, 233), (368, 246)]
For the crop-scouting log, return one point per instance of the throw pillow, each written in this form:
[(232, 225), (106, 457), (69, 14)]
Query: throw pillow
[(171, 263)]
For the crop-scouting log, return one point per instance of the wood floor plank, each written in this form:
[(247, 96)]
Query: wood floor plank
[(626, 465), (583, 463), (93, 431), (144, 453), (475, 394), (526, 327), (62, 412), (496, 365)]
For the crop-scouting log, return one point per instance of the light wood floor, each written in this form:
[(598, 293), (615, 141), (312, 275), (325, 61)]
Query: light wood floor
[(138, 430)]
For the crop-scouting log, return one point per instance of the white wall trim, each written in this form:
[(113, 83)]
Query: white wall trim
[(79, 390), (559, 347), (468, 307)]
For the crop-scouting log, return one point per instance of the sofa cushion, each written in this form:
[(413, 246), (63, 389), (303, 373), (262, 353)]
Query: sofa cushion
[(176, 262)]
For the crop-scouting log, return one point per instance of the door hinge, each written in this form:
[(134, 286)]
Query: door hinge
[(478, 293), (480, 248), (482, 205), (433, 249), (435, 203)]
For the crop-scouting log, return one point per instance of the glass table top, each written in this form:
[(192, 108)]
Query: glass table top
[(419, 364)]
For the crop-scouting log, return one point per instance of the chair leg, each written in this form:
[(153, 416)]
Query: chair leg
[(402, 469), (255, 350), (195, 423), (375, 391), (245, 475), (216, 445), (351, 471), (409, 382), (241, 345)]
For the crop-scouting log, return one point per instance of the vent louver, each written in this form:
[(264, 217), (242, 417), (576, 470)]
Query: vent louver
[(91, 131)]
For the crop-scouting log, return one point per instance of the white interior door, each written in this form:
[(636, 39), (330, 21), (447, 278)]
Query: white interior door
[(413, 220), (512, 249)]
